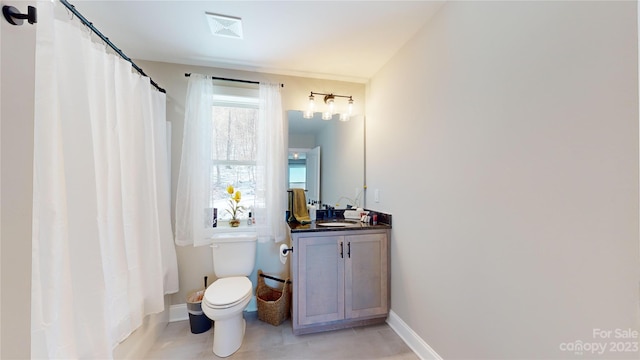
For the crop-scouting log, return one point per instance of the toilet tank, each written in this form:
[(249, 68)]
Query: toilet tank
[(234, 254)]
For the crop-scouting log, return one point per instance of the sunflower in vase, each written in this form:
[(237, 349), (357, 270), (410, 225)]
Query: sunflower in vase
[(234, 204)]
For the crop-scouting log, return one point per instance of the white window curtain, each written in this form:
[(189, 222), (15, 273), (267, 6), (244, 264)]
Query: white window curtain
[(272, 164), (193, 216), (193, 221), (103, 256)]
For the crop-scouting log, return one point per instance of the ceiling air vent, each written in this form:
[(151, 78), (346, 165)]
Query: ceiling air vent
[(225, 26)]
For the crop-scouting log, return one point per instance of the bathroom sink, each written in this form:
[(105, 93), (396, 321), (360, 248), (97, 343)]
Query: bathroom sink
[(337, 224)]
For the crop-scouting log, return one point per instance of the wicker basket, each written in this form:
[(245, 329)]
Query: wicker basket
[(273, 304)]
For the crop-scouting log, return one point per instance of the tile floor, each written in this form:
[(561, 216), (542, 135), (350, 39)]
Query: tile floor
[(265, 341)]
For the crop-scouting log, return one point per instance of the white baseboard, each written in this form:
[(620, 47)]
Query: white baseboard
[(178, 312), (415, 342)]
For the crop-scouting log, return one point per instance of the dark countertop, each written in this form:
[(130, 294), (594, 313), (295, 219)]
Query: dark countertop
[(296, 227)]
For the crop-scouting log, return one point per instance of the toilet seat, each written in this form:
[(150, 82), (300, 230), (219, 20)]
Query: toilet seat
[(227, 292)]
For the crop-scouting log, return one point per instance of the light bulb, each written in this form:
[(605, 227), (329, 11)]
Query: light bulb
[(310, 108), (350, 111), (311, 103)]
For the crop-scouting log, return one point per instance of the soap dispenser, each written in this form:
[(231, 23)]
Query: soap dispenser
[(312, 212)]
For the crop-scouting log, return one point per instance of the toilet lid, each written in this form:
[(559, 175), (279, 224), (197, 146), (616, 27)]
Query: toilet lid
[(228, 290)]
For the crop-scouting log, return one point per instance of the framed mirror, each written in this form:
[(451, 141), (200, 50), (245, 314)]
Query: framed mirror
[(326, 158)]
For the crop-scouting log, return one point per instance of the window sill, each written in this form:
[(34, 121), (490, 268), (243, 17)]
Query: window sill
[(224, 227)]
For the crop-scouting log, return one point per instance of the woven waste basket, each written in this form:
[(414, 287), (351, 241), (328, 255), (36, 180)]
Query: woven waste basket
[(273, 304)]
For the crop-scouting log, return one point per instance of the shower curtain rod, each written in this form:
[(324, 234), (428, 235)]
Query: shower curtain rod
[(229, 79), (89, 24)]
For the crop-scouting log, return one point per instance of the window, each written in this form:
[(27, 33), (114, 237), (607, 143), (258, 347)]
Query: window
[(297, 174), (232, 136), (233, 156)]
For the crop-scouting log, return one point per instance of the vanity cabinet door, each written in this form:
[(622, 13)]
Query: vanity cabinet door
[(366, 275), (321, 279)]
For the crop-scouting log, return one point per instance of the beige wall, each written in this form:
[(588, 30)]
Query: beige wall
[(196, 262), (515, 128), (17, 50)]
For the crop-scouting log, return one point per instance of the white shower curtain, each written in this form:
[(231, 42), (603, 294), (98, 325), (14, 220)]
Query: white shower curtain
[(193, 223), (102, 251)]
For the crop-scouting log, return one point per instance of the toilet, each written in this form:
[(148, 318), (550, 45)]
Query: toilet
[(234, 257)]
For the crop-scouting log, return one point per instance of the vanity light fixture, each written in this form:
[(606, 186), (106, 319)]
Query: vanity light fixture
[(330, 100)]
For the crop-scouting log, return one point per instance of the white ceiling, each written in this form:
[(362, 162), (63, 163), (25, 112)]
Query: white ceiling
[(339, 40)]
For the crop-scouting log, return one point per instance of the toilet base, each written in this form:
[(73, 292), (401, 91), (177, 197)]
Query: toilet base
[(228, 335)]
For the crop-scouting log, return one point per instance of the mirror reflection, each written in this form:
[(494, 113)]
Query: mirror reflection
[(326, 158)]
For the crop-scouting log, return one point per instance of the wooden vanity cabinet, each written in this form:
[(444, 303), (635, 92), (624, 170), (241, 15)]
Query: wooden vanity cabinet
[(340, 279)]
